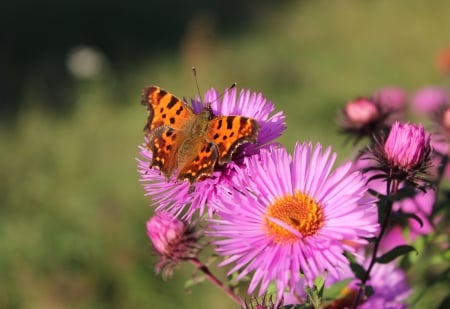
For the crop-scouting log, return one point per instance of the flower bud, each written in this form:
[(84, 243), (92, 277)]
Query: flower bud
[(391, 98), (361, 112), (165, 232), (428, 100), (407, 146), (405, 155), (174, 240)]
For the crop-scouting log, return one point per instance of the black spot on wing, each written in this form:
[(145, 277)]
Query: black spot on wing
[(179, 110), (173, 101), (230, 122)]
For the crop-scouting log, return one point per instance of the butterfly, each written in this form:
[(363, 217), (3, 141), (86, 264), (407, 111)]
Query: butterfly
[(187, 144)]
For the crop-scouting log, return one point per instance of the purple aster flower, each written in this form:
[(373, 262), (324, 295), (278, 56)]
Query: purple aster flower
[(421, 205), (178, 197), (404, 155), (391, 98), (390, 286), (428, 99), (389, 283), (288, 217), (174, 241)]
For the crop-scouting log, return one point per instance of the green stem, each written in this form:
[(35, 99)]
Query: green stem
[(392, 188), (199, 265)]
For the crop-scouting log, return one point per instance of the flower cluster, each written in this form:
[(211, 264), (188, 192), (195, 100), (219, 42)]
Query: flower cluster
[(285, 221)]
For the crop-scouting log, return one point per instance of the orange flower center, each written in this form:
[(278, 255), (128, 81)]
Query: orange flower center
[(299, 211)]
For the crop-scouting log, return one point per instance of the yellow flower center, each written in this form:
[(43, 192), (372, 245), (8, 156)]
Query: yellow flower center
[(299, 211)]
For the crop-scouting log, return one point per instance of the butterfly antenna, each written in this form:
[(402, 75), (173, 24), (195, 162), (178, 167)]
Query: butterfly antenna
[(223, 93), (194, 71)]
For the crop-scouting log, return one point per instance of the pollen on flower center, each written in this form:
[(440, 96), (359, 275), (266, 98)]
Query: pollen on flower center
[(300, 211)]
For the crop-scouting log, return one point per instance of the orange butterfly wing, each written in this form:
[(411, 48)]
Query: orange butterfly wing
[(167, 119), (164, 109), (228, 132)]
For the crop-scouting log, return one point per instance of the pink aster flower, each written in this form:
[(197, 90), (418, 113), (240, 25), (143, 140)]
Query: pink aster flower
[(428, 99), (390, 287), (182, 198), (388, 281), (174, 241), (290, 218), (421, 205)]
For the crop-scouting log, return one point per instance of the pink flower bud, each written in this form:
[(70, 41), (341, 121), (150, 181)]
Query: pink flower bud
[(174, 240), (391, 98), (164, 231), (429, 99), (407, 146), (361, 112)]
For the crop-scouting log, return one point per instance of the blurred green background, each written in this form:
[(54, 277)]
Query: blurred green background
[(72, 213)]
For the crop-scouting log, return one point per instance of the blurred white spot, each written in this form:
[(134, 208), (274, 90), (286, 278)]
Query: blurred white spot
[(85, 62)]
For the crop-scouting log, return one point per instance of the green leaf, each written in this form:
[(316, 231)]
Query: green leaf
[(403, 193), (395, 253), (358, 270), (403, 216), (313, 296), (334, 291), (319, 282)]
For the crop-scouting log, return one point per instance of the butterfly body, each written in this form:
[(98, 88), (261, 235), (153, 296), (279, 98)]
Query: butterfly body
[(191, 144)]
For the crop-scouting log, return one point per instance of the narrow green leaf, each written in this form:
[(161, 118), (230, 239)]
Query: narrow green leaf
[(403, 216), (395, 253), (358, 270), (334, 291)]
